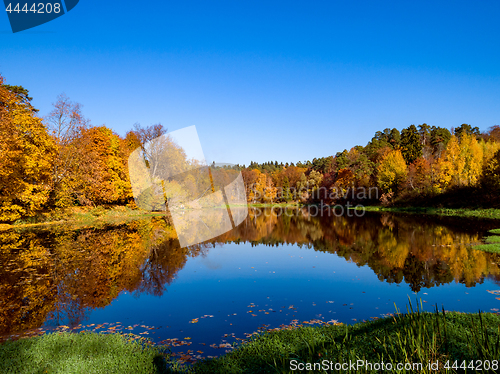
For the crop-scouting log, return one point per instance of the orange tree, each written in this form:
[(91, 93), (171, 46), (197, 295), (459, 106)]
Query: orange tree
[(26, 156)]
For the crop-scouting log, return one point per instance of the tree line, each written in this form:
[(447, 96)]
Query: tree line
[(61, 160), (420, 162)]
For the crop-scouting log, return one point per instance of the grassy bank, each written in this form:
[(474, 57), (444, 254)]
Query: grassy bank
[(82, 217), (80, 353), (275, 205), (492, 243), (414, 338), (482, 213), (450, 212)]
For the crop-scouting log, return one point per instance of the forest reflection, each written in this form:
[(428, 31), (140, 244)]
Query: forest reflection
[(57, 277), (420, 251)]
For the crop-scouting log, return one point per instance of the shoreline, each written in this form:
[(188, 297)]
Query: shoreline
[(480, 213), (82, 217), (415, 336), (115, 215)]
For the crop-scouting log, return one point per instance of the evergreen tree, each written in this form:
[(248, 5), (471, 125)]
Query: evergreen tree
[(425, 134), (466, 129), (440, 137), (394, 138), (411, 147), (342, 160)]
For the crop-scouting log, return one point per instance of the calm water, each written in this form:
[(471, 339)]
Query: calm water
[(277, 268)]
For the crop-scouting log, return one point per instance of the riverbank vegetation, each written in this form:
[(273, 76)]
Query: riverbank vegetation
[(492, 242), (419, 166), (486, 213), (80, 353), (409, 339), (60, 160), (445, 339)]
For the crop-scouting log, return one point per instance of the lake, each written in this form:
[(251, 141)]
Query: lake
[(279, 267)]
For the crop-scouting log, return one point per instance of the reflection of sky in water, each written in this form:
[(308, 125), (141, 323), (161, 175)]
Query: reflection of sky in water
[(278, 285)]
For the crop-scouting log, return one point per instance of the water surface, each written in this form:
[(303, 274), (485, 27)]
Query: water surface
[(278, 267)]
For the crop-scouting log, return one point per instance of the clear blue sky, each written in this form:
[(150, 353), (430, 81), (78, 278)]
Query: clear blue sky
[(266, 80)]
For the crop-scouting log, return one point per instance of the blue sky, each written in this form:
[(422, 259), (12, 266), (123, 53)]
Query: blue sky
[(286, 81)]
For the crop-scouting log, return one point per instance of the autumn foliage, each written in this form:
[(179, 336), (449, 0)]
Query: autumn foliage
[(26, 157), (61, 161)]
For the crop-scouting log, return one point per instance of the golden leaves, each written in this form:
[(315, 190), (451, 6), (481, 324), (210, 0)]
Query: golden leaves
[(26, 157), (391, 171)]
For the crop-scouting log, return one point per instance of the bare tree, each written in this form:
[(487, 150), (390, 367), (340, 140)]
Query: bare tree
[(64, 123)]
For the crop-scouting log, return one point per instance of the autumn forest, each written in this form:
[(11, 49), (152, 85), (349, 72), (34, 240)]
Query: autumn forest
[(60, 160)]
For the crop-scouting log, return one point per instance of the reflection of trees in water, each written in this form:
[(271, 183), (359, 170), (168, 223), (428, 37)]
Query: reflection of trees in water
[(63, 275), (26, 292), (421, 251), (163, 263)]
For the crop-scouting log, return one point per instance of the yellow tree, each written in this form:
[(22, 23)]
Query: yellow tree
[(99, 176), (449, 165), (472, 154), (255, 186), (26, 156), (490, 148), (491, 173), (392, 171), (461, 163)]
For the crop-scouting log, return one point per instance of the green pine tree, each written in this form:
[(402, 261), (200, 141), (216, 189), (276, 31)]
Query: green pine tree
[(411, 147)]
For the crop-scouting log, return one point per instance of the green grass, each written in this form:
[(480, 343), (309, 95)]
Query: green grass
[(85, 353), (492, 248), (415, 337), (264, 205), (493, 239), (492, 242), (490, 213)]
